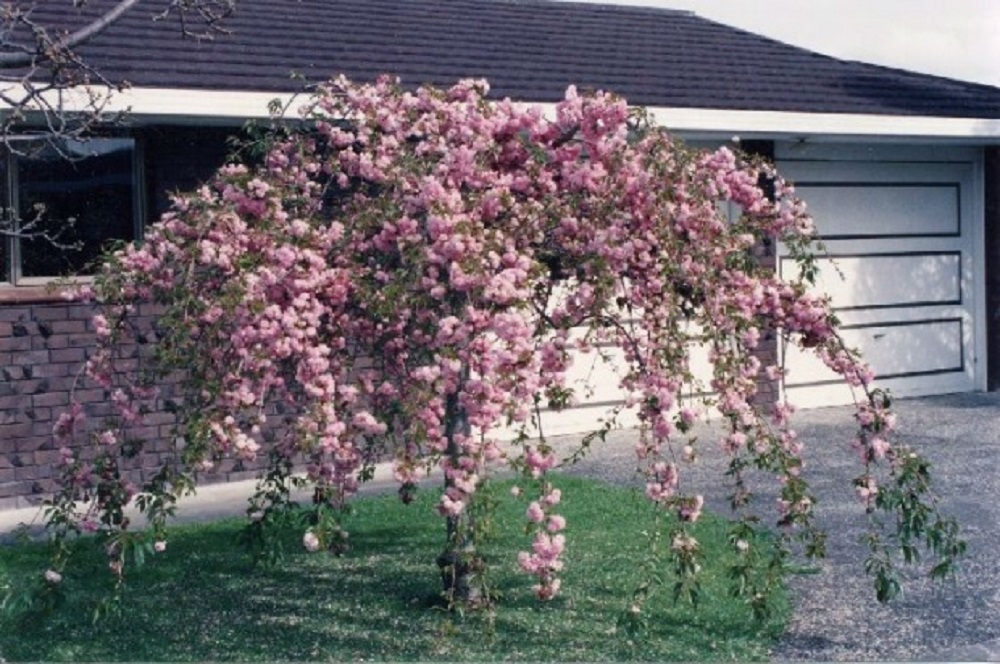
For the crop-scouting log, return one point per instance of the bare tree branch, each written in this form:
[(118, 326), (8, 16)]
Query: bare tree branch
[(210, 12), (46, 44)]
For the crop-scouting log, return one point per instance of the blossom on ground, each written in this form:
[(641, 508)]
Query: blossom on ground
[(310, 541)]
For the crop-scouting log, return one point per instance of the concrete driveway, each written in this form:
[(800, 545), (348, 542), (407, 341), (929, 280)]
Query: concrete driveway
[(836, 616)]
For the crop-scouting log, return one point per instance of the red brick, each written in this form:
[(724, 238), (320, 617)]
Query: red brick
[(56, 342), (14, 313), (46, 457), (42, 429), (145, 433), (70, 326), (44, 486), (60, 398), (39, 414), (160, 417), (28, 473), (92, 395), (15, 401), (100, 409), (81, 311), (53, 370), (51, 313), (15, 431), (15, 344), (68, 355), (9, 489), (34, 443), (79, 341), (31, 357)]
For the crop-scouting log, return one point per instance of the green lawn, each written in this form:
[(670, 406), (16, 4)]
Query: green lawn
[(202, 600)]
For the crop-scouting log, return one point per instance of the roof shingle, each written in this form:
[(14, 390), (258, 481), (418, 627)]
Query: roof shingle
[(528, 49)]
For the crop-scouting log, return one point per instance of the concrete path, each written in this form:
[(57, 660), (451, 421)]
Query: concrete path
[(836, 616)]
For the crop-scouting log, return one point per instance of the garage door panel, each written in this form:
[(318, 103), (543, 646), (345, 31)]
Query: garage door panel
[(884, 209), (867, 281), (892, 349), (835, 394)]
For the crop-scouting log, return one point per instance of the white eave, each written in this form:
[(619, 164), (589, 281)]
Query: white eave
[(799, 125), (195, 106)]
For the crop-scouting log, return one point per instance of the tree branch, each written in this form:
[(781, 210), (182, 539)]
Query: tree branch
[(27, 57)]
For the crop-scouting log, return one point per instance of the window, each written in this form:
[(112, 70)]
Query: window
[(66, 204)]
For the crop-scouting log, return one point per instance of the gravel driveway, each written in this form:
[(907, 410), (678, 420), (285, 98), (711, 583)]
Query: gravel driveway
[(836, 616)]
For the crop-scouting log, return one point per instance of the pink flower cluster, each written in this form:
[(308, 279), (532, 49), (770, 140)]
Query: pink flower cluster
[(544, 561)]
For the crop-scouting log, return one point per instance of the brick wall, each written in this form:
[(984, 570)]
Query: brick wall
[(43, 346)]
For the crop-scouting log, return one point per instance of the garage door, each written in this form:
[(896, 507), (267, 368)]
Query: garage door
[(901, 270)]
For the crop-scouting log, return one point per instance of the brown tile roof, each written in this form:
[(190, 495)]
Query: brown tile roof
[(528, 49)]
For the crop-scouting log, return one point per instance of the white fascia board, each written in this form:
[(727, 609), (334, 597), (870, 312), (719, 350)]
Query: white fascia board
[(716, 123), (169, 105), (796, 125), (190, 106)]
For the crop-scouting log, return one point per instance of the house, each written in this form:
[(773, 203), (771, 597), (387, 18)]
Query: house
[(901, 170)]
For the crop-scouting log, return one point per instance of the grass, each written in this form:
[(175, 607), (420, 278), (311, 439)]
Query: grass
[(203, 600)]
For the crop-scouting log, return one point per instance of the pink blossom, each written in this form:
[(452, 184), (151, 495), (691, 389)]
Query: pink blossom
[(690, 508), (310, 541)]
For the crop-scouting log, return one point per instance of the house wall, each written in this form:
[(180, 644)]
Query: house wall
[(44, 340)]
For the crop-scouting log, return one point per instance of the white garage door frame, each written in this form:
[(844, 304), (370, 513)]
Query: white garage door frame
[(922, 315)]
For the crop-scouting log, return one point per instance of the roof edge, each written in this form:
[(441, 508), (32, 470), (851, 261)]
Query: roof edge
[(229, 107)]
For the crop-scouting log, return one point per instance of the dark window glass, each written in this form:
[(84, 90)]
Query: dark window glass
[(82, 198)]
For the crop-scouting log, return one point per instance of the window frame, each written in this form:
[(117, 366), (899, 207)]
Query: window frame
[(11, 262)]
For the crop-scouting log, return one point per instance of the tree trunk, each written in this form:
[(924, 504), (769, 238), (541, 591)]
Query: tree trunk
[(460, 562)]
